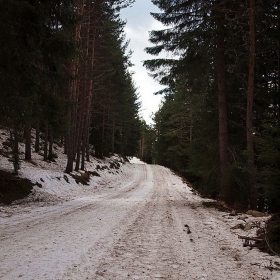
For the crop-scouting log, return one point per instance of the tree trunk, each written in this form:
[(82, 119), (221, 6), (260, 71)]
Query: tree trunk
[(46, 142), (191, 122), (50, 156), (16, 162), (37, 139), (79, 132), (78, 157), (249, 117), (70, 138), (222, 103), (70, 159), (103, 132), (83, 155), (28, 141), (87, 144), (113, 136)]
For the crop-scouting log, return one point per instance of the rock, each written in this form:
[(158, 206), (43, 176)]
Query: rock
[(255, 213), (248, 227), (223, 204), (238, 226), (233, 213)]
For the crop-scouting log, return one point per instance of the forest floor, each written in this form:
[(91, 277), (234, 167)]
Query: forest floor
[(134, 221)]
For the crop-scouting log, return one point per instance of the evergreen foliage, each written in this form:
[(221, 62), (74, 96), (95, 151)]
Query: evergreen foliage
[(115, 121), (62, 64), (205, 37)]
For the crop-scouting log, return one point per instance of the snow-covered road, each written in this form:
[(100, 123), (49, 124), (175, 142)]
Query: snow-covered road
[(135, 231)]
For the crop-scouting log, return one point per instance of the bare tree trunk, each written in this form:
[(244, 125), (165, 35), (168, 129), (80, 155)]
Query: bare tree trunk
[(46, 141), (73, 98), (88, 90), (103, 131), (191, 121), (87, 129), (37, 139), (249, 118), (50, 156), (15, 150), (87, 135), (27, 132), (113, 136), (278, 115), (94, 19), (223, 130), (79, 130), (83, 155)]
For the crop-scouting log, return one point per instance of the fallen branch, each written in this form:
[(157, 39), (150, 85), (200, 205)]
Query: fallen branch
[(250, 238)]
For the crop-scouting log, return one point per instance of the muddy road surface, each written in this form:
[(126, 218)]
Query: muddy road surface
[(151, 227)]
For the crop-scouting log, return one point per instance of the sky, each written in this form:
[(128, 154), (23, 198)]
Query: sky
[(139, 23)]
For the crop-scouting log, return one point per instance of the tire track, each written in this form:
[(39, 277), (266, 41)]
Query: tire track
[(135, 232), (70, 236), (146, 249)]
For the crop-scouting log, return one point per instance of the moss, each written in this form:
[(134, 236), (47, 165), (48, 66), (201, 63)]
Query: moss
[(13, 188)]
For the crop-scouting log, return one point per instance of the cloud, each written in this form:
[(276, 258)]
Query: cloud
[(139, 23)]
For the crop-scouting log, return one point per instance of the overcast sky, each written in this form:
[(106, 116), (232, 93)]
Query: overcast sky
[(139, 23)]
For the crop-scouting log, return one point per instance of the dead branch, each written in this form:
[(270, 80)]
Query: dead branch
[(250, 238)]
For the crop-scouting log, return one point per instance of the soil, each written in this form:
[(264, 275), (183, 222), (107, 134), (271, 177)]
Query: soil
[(12, 187)]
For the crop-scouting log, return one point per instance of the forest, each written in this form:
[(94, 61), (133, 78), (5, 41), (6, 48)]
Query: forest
[(64, 72), (66, 79), (218, 124)]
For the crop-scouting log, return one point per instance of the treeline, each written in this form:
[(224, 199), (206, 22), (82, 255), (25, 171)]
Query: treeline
[(218, 124), (64, 71)]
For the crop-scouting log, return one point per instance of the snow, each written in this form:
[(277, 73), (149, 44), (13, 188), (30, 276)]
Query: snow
[(136, 160), (129, 223)]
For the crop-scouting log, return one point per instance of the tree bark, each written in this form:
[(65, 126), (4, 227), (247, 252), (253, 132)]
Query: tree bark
[(37, 139), (249, 117), (46, 141), (28, 140), (87, 140), (73, 98), (50, 156), (15, 150), (113, 136), (222, 105), (83, 155)]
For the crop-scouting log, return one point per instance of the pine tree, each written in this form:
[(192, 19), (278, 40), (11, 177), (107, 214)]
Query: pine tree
[(212, 43)]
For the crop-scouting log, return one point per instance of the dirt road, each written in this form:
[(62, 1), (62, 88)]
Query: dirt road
[(137, 231)]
